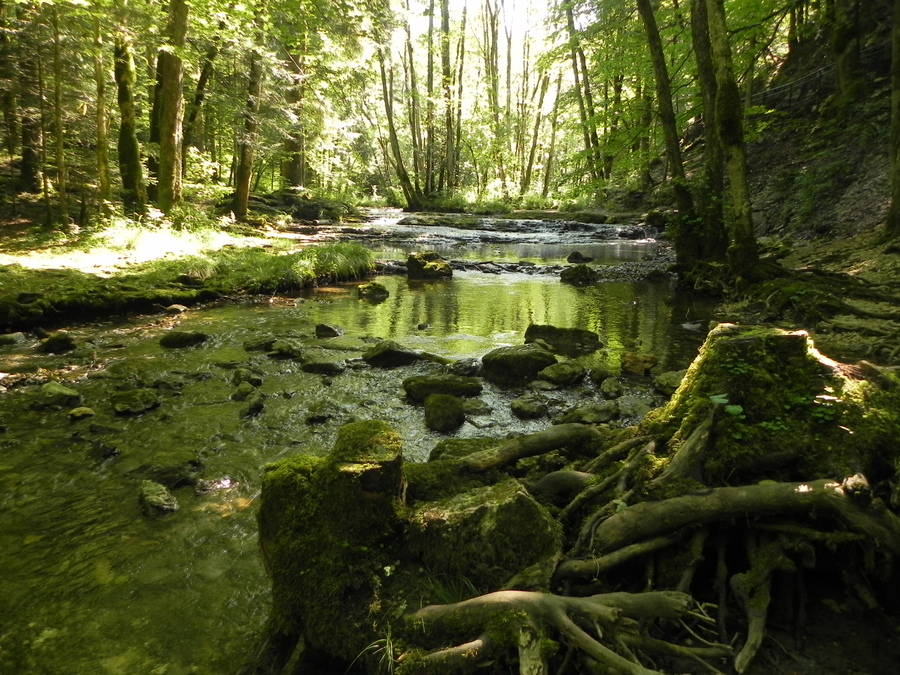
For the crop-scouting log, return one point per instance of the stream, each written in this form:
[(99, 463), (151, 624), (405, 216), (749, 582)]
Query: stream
[(88, 584)]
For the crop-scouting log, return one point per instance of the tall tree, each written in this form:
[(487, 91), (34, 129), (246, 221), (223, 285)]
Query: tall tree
[(247, 140), (687, 248), (171, 108), (893, 220), (134, 192), (743, 256), (100, 75)]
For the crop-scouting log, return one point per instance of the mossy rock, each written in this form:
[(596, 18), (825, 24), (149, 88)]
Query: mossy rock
[(428, 265), (488, 534), (373, 291), (177, 339), (569, 341), (528, 407), (59, 342), (564, 374), (515, 366), (134, 401), (389, 354), (444, 412), (420, 387), (54, 395), (579, 275)]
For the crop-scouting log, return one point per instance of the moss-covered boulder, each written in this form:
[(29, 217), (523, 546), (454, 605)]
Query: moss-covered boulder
[(568, 341), (58, 342), (389, 354), (134, 401), (564, 374), (528, 407), (487, 534), (444, 412), (54, 395), (590, 413), (579, 275), (373, 292), (420, 387), (515, 366), (428, 265), (155, 499), (327, 527), (638, 364)]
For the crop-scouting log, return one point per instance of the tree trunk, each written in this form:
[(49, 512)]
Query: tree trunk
[(193, 111), (8, 102), (412, 195), (713, 241), (551, 150), (893, 221), (172, 109), (103, 182), (62, 178), (247, 141), (580, 77), (430, 136), (30, 104), (686, 249), (134, 192), (448, 174), (532, 152), (293, 168), (845, 44), (743, 256)]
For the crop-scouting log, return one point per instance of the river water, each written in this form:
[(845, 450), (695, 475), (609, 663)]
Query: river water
[(90, 585)]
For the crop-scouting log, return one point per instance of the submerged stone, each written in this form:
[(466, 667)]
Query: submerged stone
[(373, 292), (155, 499), (177, 339), (444, 412), (241, 375), (323, 330), (243, 392), (58, 343), (515, 366), (569, 341), (592, 413), (80, 413), (389, 354), (324, 367), (420, 387), (611, 388), (134, 401), (285, 349), (54, 395), (638, 364), (528, 407)]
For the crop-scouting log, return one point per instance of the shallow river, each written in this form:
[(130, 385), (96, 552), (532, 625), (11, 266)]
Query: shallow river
[(90, 585)]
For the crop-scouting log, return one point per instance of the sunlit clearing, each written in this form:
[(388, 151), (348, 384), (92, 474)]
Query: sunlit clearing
[(125, 242)]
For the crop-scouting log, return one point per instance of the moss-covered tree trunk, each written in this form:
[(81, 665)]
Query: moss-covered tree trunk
[(687, 238), (31, 168), (172, 108), (845, 45), (100, 75), (134, 192), (710, 197), (743, 256), (893, 221), (247, 140)]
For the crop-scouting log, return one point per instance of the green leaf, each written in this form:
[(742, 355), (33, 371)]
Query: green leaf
[(734, 409), (719, 399)]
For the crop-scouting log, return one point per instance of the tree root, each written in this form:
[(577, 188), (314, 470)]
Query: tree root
[(651, 519), (611, 615), (539, 443)]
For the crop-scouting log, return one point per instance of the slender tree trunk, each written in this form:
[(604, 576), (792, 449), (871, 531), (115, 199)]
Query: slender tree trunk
[(31, 167), (686, 249), (430, 136), (551, 150), (247, 141), (845, 44), (153, 131), (714, 240), (193, 110), (532, 152), (62, 177), (448, 173), (491, 35), (893, 221), (615, 106), (743, 256), (293, 168), (134, 192), (8, 102), (103, 182), (412, 195), (414, 112), (460, 59), (580, 77), (172, 109)]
